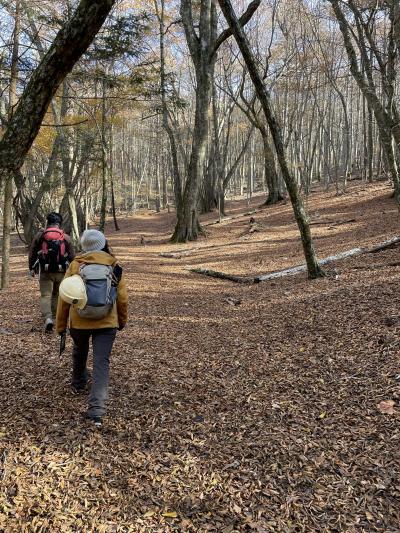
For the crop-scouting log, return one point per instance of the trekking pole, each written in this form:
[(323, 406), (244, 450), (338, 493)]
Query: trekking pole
[(63, 337), (32, 271)]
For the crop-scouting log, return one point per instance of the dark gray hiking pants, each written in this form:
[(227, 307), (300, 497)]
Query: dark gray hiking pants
[(102, 341)]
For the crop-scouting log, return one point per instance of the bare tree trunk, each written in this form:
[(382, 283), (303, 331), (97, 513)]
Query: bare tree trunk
[(8, 188), (396, 25), (271, 177), (314, 270), (114, 213), (226, 180), (103, 207), (370, 145), (164, 182), (201, 50), (387, 123), (66, 170), (157, 171), (177, 181)]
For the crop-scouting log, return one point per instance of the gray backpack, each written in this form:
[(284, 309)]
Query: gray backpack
[(101, 290)]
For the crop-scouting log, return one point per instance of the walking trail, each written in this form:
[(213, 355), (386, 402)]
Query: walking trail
[(233, 408)]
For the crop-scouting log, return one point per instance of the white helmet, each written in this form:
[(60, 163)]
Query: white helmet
[(73, 291)]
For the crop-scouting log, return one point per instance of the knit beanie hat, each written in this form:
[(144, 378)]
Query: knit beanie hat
[(92, 240)]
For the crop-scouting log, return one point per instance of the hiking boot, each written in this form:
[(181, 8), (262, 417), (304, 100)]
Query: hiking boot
[(78, 389), (97, 420), (48, 325)]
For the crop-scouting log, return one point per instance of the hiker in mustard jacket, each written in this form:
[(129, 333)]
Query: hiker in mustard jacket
[(83, 325)]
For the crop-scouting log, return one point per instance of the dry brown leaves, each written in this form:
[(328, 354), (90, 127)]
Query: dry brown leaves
[(387, 407), (232, 408)]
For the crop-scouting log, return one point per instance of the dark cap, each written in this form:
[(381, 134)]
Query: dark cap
[(54, 218)]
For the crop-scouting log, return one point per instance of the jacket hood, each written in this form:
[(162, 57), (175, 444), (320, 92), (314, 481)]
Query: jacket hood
[(101, 258)]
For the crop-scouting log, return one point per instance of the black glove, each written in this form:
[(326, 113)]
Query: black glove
[(63, 336)]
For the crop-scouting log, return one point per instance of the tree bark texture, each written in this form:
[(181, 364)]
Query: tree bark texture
[(271, 177), (66, 168), (166, 119), (113, 207), (201, 49), (103, 206), (8, 188), (203, 46)]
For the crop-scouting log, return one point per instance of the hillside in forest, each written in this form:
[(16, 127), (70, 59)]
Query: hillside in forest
[(234, 407)]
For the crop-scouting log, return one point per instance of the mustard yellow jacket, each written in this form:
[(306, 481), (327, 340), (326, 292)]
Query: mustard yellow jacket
[(115, 319)]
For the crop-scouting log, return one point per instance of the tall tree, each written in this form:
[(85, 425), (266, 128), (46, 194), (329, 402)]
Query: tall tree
[(8, 189), (68, 46), (314, 270), (387, 116), (203, 43), (201, 48), (167, 121)]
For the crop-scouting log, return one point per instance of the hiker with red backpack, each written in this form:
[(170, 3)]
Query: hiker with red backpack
[(50, 254)]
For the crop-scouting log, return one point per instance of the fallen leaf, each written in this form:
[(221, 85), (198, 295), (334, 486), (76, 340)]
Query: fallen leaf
[(232, 301), (386, 407)]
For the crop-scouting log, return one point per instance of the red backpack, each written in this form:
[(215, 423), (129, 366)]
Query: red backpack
[(52, 254)]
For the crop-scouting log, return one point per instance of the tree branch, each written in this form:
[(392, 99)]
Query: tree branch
[(188, 25), (65, 125), (244, 19), (70, 43)]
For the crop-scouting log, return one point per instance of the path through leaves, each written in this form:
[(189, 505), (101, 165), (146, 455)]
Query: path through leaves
[(233, 408)]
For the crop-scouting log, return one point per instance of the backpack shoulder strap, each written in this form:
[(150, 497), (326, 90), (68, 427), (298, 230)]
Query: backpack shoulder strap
[(117, 273), (39, 238), (36, 246)]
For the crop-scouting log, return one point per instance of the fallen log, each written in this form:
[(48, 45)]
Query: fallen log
[(300, 268), (234, 217), (377, 267), (176, 255), (332, 222), (330, 259), (221, 275), (303, 268), (383, 246)]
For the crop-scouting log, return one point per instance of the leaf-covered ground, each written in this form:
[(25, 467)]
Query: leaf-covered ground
[(233, 408)]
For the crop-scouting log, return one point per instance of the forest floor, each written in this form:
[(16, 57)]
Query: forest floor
[(233, 408)]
